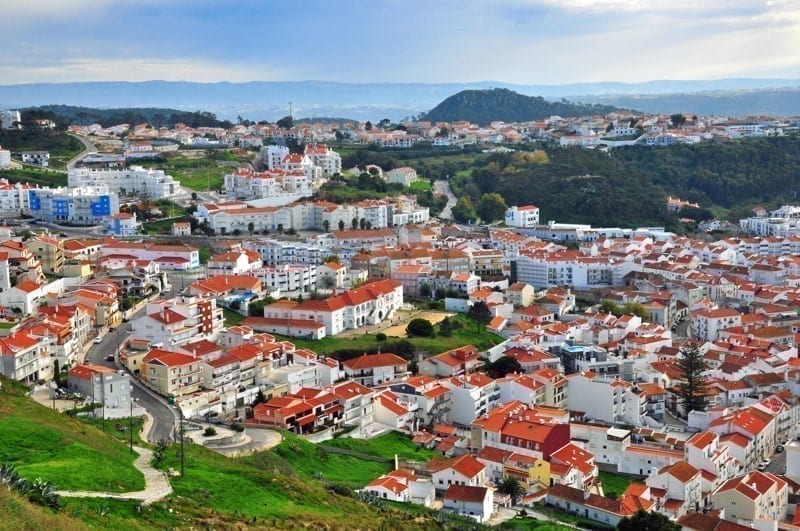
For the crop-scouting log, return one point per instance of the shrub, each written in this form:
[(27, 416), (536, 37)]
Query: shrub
[(420, 327), (380, 336), (209, 432)]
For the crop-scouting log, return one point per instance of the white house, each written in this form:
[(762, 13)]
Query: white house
[(475, 502), (526, 216)]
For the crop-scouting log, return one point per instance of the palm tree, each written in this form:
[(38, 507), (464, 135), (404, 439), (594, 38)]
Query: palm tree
[(362, 223), (251, 227), (511, 486), (326, 225), (341, 224), (354, 223)]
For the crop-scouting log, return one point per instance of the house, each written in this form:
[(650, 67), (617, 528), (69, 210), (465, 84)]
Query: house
[(332, 275), (171, 373), (358, 404), (25, 358), (124, 224), (181, 228), (458, 361), (403, 175), (234, 262), (49, 251), (375, 369), (391, 410), (581, 460), (464, 470), (300, 413), (471, 395), (680, 484), (475, 502), (707, 324), (525, 216), (595, 507), (173, 322), (752, 497), (403, 486), (519, 428), (520, 294), (369, 304), (102, 385)]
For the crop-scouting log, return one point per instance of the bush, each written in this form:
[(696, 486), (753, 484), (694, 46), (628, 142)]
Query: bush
[(420, 328), (380, 336), (209, 432)]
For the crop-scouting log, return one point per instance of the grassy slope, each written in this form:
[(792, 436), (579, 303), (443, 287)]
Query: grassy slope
[(67, 452), (261, 491), (616, 483), (387, 445)]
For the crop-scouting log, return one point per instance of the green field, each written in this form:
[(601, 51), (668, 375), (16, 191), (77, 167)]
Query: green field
[(469, 334), (615, 483), (310, 460), (420, 186), (40, 177), (232, 318), (387, 445), (71, 454)]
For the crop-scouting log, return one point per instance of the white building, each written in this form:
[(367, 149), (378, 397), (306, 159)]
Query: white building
[(173, 322), (5, 158), (82, 205), (275, 186), (526, 216), (132, 181), (10, 119)]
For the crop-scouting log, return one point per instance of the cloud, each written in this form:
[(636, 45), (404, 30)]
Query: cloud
[(143, 69)]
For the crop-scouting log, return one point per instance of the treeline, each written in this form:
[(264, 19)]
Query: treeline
[(733, 174), (570, 185), (157, 117)]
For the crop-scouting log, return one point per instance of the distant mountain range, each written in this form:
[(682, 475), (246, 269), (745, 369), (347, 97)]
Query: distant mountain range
[(484, 106), (270, 100)]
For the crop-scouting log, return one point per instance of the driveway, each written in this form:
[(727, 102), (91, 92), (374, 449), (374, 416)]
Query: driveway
[(443, 187)]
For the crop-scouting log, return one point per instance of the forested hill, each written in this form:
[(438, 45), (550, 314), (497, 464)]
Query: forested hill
[(484, 106), (158, 117)]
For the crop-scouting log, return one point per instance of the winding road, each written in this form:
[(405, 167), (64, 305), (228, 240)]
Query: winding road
[(88, 147), (443, 187)]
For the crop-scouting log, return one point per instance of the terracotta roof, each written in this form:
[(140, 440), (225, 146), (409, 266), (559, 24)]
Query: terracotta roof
[(466, 493), (371, 361)]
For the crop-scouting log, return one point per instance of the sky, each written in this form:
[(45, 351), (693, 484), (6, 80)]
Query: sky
[(512, 41)]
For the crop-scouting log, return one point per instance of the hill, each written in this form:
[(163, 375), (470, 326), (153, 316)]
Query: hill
[(485, 106), (156, 116), (297, 485)]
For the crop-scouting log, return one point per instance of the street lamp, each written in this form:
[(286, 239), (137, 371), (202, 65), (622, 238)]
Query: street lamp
[(131, 421)]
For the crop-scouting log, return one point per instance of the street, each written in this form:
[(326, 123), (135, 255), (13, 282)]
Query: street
[(443, 187), (164, 416)]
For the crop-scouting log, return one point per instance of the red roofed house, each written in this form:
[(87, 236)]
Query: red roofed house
[(173, 322), (707, 324), (368, 304), (300, 413), (376, 369), (517, 428), (462, 360), (462, 470), (681, 486), (472, 501), (102, 385), (391, 410), (234, 262), (595, 507), (171, 373), (403, 486), (174, 257), (25, 358), (581, 460), (755, 426), (754, 496)]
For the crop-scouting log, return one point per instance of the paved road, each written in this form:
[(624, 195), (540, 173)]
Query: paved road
[(88, 147), (443, 187), (164, 416)]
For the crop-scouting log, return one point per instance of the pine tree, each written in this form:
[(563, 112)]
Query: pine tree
[(693, 384)]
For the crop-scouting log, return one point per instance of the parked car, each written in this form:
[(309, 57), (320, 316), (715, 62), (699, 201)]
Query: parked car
[(762, 467), (779, 449), (98, 339), (110, 357)]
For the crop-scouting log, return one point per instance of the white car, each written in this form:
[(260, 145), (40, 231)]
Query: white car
[(98, 339)]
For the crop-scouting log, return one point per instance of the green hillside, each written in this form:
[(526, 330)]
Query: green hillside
[(297, 485), (485, 106)]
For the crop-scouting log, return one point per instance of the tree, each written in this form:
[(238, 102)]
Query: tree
[(464, 210), (440, 294), (677, 120), (280, 228), (285, 123), (504, 365), (511, 486), (693, 382), (326, 225), (446, 327), (362, 223), (368, 225), (647, 521), (341, 224), (480, 312), (368, 126), (420, 327), (251, 227), (492, 207), (425, 291), (354, 223), (331, 258)]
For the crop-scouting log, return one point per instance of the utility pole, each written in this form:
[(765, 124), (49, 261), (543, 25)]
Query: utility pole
[(181, 436)]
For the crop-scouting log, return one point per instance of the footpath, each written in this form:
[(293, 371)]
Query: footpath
[(156, 483)]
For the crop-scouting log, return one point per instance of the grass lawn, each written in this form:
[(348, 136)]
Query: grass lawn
[(525, 523), (117, 428), (232, 318), (420, 186), (309, 460), (163, 226), (569, 518), (41, 177), (616, 483), (69, 453), (387, 445), (469, 334)]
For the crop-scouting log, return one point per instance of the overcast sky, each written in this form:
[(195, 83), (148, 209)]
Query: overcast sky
[(513, 41)]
